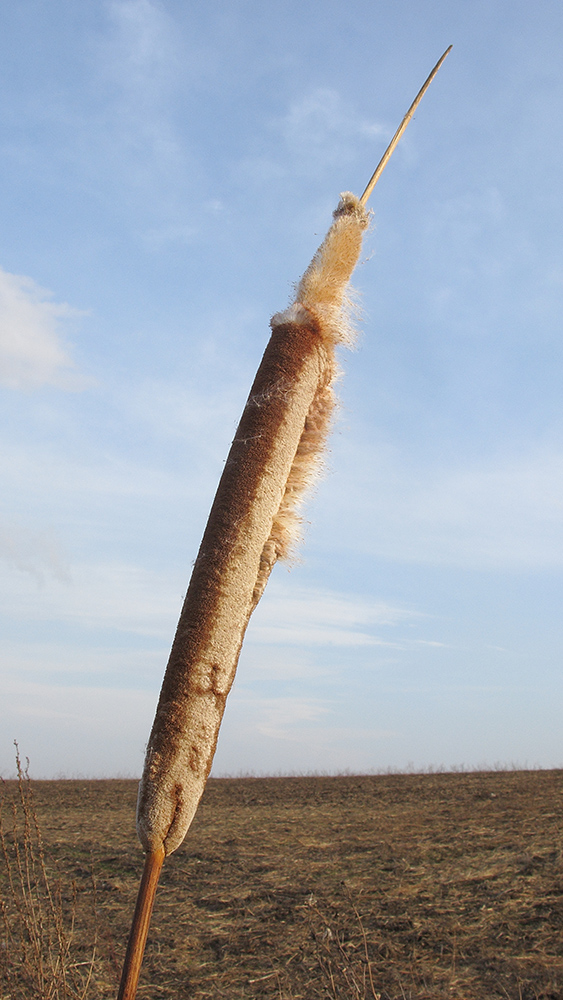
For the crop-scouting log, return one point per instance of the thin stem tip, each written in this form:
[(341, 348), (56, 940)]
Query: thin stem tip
[(387, 154)]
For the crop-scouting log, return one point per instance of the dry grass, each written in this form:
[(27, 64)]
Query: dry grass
[(406, 887), (37, 909)]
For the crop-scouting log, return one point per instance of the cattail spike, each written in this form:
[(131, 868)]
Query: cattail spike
[(388, 152), (253, 520)]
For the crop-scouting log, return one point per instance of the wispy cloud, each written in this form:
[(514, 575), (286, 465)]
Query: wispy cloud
[(116, 597), (500, 513), (32, 349), (139, 69), (201, 413), (323, 121), (133, 664), (142, 44), (37, 553), (147, 601), (318, 131), (100, 731), (56, 478), (299, 616), (296, 730)]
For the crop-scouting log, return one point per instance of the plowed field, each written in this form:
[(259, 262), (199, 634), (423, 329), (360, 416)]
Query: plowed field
[(392, 886)]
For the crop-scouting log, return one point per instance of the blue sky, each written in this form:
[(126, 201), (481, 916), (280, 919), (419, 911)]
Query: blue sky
[(167, 170)]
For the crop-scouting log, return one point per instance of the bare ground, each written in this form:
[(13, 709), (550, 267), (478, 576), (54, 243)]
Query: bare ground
[(406, 887)]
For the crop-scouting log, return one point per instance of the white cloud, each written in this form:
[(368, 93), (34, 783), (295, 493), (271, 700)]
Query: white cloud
[(147, 602), (34, 552), (285, 734), (32, 352), (57, 478), (318, 131), (116, 596), (138, 72), (321, 124), (123, 665), (200, 413), (282, 717), (308, 617), (143, 42)]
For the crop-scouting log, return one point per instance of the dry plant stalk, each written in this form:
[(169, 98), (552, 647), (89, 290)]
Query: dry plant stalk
[(253, 522), (37, 923)]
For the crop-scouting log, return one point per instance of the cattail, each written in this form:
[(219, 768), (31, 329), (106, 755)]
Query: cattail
[(253, 522)]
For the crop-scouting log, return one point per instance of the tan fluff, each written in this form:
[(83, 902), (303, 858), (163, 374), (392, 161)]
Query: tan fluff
[(253, 521), (322, 294), (323, 289)]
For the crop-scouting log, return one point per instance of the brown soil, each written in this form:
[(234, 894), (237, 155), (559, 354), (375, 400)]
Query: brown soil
[(407, 887)]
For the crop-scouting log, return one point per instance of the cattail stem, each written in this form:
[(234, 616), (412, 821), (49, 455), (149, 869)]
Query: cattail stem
[(140, 925), (387, 154)]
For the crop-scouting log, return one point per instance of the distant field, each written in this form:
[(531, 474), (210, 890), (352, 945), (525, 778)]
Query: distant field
[(446, 885)]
